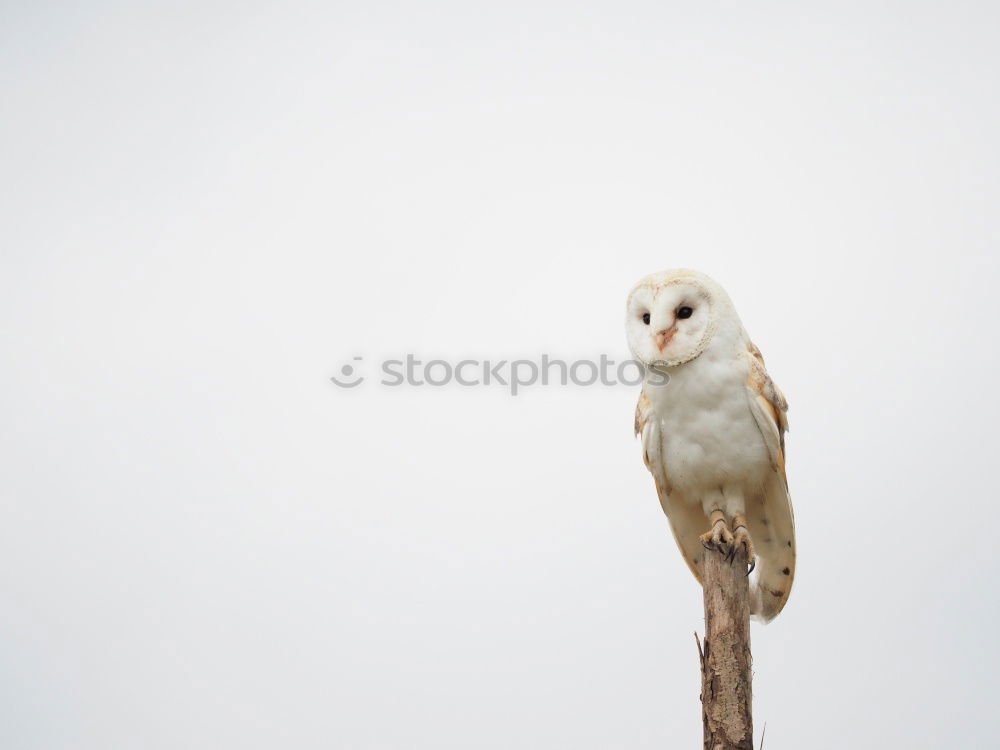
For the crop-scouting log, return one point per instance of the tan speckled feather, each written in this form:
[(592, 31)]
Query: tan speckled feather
[(770, 517)]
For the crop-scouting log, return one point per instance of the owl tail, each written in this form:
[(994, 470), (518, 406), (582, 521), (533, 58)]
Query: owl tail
[(772, 528)]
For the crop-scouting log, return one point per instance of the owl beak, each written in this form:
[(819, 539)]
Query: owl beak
[(663, 337)]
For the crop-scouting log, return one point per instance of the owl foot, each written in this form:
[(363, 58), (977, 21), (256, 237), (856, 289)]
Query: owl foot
[(741, 539), (719, 537)]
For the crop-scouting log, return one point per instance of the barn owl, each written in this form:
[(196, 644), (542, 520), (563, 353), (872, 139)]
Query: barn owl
[(713, 432)]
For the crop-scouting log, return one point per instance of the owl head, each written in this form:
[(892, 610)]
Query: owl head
[(672, 316)]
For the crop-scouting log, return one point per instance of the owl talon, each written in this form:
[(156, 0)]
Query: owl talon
[(741, 538), (719, 538)]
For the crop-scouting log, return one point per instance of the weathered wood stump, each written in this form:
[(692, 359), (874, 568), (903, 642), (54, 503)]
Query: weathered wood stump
[(726, 699)]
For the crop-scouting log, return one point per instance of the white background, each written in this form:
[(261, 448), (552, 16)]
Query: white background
[(208, 208)]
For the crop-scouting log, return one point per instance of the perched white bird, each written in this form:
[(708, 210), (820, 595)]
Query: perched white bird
[(713, 431)]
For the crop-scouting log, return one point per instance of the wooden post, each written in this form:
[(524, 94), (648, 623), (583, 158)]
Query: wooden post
[(726, 704)]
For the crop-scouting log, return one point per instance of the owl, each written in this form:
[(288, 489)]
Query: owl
[(713, 426)]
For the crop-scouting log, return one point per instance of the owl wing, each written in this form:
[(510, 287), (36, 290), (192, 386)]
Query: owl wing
[(687, 521), (769, 407), (770, 517)]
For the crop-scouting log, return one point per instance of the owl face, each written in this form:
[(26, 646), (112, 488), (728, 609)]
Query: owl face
[(670, 318)]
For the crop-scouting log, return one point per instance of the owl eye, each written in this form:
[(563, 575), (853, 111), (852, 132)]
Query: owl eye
[(684, 313), (645, 318)]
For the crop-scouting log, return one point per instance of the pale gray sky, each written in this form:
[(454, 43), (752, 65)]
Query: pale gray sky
[(208, 208)]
